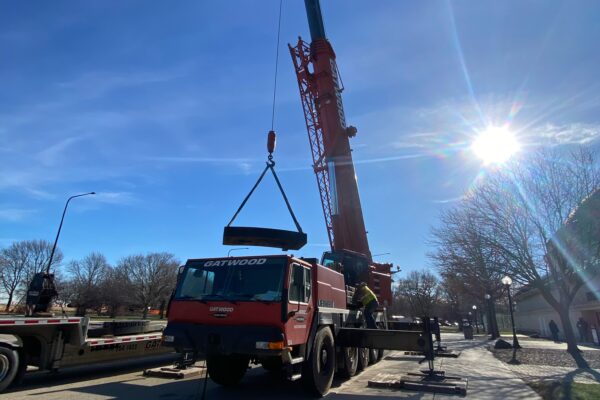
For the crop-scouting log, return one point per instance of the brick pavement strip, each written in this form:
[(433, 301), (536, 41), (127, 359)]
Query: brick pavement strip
[(537, 372)]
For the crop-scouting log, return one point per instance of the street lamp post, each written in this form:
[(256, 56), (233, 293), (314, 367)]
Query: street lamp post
[(476, 323), (41, 289), (507, 281), (492, 324), (237, 248), (60, 227)]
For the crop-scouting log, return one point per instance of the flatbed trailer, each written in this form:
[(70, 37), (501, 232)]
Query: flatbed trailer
[(51, 343)]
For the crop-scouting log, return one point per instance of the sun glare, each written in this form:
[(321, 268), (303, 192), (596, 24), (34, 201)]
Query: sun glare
[(495, 145)]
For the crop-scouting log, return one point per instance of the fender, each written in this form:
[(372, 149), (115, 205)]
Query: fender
[(311, 335), (11, 340)]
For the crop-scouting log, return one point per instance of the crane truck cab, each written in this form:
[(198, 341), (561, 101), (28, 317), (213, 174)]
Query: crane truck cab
[(357, 267), (280, 311)]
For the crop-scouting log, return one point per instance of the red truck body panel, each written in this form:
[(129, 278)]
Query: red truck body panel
[(328, 290)]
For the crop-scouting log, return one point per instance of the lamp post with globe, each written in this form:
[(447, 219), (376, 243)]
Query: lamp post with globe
[(507, 281), (476, 323)]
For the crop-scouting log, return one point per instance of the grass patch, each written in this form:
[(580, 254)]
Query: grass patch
[(449, 329), (562, 390)]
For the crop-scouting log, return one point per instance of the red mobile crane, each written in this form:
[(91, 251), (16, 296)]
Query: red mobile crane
[(289, 313), (320, 91)]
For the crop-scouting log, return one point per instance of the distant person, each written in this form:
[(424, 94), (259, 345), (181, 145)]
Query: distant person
[(368, 300), (554, 330), (582, 326)]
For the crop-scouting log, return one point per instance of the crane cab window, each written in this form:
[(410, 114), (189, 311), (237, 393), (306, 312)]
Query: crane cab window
[(300, 284)]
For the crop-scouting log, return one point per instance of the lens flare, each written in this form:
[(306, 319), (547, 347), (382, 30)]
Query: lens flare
[(495, 145)]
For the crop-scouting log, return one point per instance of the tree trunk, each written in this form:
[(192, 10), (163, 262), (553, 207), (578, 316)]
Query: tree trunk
[(570, 337), (145, 314), (162, 308), (493, 322), (8, 303)]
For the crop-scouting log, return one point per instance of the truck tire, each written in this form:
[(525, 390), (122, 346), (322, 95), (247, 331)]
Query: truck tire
[(380, 354), (317, 372), (349, 362), (9, 366), (227, 370), (363, 358), (373, 356)]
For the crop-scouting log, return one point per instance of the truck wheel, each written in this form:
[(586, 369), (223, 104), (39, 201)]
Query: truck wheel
[(372, 356), (363, 358), (349, 362), (318, 371), (380, 354), (227, 370), (9, 365)]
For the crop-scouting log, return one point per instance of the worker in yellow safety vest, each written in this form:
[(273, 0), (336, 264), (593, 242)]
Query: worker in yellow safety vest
[(368, 300)]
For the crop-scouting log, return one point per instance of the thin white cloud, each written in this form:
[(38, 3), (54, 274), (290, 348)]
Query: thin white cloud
[(98, 83), (50, 155), (15, 214), (215, 160), (374, 160), (450, 126), (449, 200), (118, 198), (574, 133)]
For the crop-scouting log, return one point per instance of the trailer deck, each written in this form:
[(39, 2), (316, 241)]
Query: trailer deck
[(52, 343)]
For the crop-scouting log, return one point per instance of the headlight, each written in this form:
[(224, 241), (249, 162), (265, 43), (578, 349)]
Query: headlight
[(270, 345)]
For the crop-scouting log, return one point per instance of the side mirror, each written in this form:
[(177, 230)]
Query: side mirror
[(299, 289)]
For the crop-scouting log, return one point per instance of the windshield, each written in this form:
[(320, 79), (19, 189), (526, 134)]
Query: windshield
[(233, 279)]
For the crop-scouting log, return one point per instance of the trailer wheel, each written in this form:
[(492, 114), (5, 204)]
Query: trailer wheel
[(380, 354), (318, 371), (9, 366), (372, 356), (227, 370), (350, 362), (363, 358)]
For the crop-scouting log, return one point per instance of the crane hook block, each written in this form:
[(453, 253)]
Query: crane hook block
[(271, 140)]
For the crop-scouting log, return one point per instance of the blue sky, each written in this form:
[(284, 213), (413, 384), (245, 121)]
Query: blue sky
[(163, 108)]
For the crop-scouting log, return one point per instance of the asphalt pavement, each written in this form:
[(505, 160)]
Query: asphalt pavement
[(488, 378)]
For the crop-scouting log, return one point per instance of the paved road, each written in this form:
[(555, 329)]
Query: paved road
[(488, 379)]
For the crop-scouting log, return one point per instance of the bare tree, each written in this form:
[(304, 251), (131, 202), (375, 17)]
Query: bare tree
[(522, 208), (116, 290), (152, 277), (420, 289), (85, 284), (467, 264), (39, 255), (13, 269)]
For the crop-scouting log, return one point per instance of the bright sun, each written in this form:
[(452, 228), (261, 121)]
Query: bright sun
[(495, 145)]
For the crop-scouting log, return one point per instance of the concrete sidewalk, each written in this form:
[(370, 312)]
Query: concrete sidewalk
[(488, 377)]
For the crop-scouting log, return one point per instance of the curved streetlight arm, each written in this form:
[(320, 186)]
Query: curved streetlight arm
[(60, 227)]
